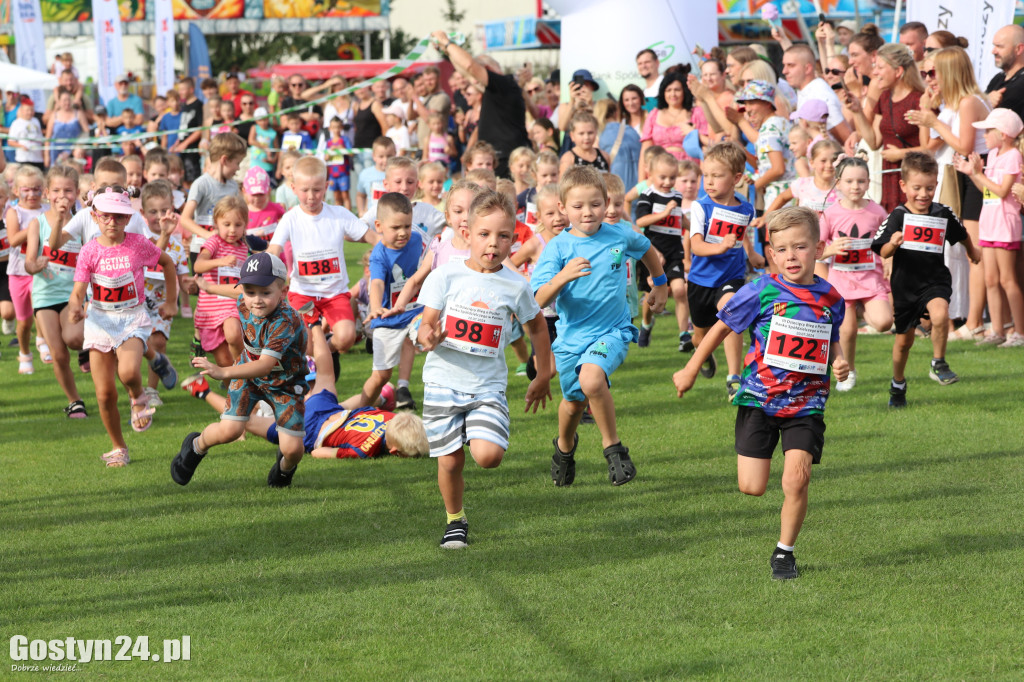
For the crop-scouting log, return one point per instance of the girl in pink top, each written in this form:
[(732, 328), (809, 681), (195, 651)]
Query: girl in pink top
[(117, 324), (999, 225), (848, 228), (219, 262)]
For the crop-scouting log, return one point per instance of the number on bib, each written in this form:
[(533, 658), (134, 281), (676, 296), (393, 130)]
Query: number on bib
[(473, 330), (798, 345), (857, 258), (924, 233), (114, 293), (724, 223)]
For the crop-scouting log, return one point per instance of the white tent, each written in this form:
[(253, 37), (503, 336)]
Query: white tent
[(20, 79)]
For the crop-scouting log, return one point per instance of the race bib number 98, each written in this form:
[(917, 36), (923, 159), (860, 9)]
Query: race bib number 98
[(798, 345), (924, 233), (473, 330)]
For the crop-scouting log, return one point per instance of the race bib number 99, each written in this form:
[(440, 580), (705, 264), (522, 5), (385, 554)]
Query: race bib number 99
[(473, 330), (924, 233), (858, 257), (723, 223), (114, 293), (798, 345)]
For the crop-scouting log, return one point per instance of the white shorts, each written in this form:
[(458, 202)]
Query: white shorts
[(452, 418), (159, 324), (387, 344), (106, 331)]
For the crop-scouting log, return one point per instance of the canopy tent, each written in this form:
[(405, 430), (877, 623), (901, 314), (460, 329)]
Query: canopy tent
[(20, 79)]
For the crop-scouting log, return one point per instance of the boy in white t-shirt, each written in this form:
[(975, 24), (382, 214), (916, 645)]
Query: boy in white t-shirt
[(467, 316), (401, 175), (26, 135), (317, 233)]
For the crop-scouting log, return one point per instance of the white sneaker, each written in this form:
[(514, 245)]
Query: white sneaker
[(850, 382), (154, 396), (1013, 340), (25, 364), (263, 409), (9, 327)]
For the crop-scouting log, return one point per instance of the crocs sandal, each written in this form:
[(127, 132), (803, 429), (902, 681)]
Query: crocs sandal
[(76, 410), (563, 464), (620, 467), (143, 419), (118, 457)]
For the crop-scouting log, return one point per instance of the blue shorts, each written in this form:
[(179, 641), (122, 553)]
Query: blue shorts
[(607, 352), (319, 408), (338, 184), (288, 405)]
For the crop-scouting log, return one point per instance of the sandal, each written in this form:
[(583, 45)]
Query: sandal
[(563, 464), (44, 352), (143, 419), (76, 410), (118, 457), (965, 334), (25, 363), (620, 467)]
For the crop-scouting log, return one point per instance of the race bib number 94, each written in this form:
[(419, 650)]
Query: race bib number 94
[(724, 223), (798, 345), (473, 330), (924, 233)]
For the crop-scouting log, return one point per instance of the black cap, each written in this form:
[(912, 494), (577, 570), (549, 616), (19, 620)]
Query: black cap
[(261, 269)]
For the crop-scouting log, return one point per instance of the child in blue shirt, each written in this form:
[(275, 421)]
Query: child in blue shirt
[(794, 319), (583, 271), (719, 250)]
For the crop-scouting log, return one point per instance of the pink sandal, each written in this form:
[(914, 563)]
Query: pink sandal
[(143, 419), (118, 457)]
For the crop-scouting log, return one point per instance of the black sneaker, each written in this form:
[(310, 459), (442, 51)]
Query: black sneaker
[(621, 469), (563, 464), (456, 535), (732, 386), (277, 478), (183, 466), (255, 244), (588, 416), (941, 373), (645, 337), (197, 348), (783, 565), (403, 399), (897, 396), (710, 366), (165, 370), (685, 343), (531, 367)]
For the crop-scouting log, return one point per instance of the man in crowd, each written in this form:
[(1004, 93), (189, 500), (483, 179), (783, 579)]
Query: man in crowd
[(1006, 89), (313, 114), (191, 117), (913, 35), (236, 93), (798, 70), (125, 99), (68, 81), (647, 65), (434, 99)]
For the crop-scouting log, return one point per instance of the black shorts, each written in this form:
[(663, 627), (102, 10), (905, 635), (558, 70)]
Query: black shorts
[(704, 301), (191, 165), (56, 307), (552, 333), (5, 289), (757, 434), (971, 198), (674, 269), (908, 313)]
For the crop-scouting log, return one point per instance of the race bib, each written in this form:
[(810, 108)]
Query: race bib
[(530, 215), (629, 270), (228, 275), (924, 233), (398, 283), (264, 231), (114, 293), (671, 225), (377, 190), (64, 260), (473, 330), (5, 245), (990, 198), (291, 142), (318, 267), (723, 223), (857, 258), (798, 345)]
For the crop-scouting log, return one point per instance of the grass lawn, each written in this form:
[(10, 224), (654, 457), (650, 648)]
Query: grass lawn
[(911, 559)]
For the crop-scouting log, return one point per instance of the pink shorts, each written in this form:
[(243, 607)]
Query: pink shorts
[(212, 338), (333, 310), (1009, 246), (880, 296), (21, 295)]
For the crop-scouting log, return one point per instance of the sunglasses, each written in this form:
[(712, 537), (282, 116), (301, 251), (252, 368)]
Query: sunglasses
[(834, 72), (928, 74), (929, 50), (247, 102), (530, 91), (295, 85)]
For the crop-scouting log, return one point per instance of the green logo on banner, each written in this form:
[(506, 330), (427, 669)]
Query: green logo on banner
[(664, 53)]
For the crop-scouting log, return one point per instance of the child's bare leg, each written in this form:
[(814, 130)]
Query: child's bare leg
[(848, 334), (222, 355), (900, 352), (486, 454), (796, 476), (372, 387), (678, 287), (325, 379), (976, 288), (344, 335), (752, 474), (646, 314), (104, 373), (72, 332), (233, 336), (129, 358), (520, 349), (938, 311), (218, 433), (733, 344), (878, 313), (292, 449), (48, 324), (569, 414), (594, 384), (450, 481), (405, 363), (23, 331), (1010, 286), (993, 293)]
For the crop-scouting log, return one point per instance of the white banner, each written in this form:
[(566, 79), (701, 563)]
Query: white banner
[(106, 26), (30, 50), (596, 38), (976, 20), (163, 47)]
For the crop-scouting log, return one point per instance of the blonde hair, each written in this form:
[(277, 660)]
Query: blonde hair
[(402, 162), (131, 158), (794, 216), (507, 187), (689, 166), (547, 158), (158, 189), (228, 205), (431, 166), (651, 153), (827, 143), (545, 191), (613, 183), (406, 433), (26, 173), (310, 167), (759, 70), (899, 56), (227, 144), (62, 171), (521, 152), (605, 110), (459, 186), (581, 117), (581, 176), (956, 73), (479, 148), (487, 202), (484, 177)]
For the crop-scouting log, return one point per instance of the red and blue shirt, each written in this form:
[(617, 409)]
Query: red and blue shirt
[(792, 329)]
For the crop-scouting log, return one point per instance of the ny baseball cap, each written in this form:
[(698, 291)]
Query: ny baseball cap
[(261, 269)]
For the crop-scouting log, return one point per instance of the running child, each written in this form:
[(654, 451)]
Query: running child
[(335, 148), (581, 271), (26, 206), (467, 314), (217, 181), (400, 175), (616, 215), (914, 236), (284, 194), (545, 171), (156, 166), (6, 306), (264, 215), (272, 369), (793, 319), (370, 185), (848, 227), (216, 317), (117, 324), (262, 142), (432, 177), (520, 161), (720, 246), (53, 279), (584, 150)]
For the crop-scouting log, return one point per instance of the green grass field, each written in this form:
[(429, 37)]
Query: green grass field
[(911, 559)]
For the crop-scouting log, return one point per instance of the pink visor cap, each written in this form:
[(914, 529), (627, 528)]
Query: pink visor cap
[(110, 201), (256, 181)]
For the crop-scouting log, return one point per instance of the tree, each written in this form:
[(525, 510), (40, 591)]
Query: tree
[(452, 16)]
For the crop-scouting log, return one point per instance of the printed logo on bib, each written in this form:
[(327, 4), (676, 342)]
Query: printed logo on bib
[(473, 329), (923, 233), (671, 225), (858, 257), (114, 293), (317, 267), (397, 285), (530, 215), (5, 244), (798, 345), (63, 260), (723, 223)]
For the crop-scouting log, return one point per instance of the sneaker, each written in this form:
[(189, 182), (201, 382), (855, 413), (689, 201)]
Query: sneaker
[(521, 370), (44, 351), (387, 396), (732, 386), (588, 416), (13, 342), (196, 348), (456, 535), (263, 409), (645, 336), (621, 469), (25, 364), (1013, 340), (941, 373), (196, 385), (403, 399), (531, 368), (9, 327), (76, 410), (83, 361), (255, 244), (850, 382), (165, 370), (991, 340), (186, 313), (563, 464), (783, 565), (897, 396), (710, 366), (118, 457), (153, 396), (184, 464), (278, 478), (685, 343)]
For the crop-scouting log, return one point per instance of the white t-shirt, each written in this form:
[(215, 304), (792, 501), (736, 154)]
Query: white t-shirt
[(820, 90), (653, 90), (477, 310), (318, 248), (400, 136), (83, 228), (27, 133), (425, 218)]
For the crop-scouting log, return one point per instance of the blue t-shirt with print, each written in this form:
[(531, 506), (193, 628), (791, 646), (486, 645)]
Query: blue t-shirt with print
[(710, 220), (394, 267)]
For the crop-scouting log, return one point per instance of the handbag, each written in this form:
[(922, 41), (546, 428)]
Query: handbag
[(950, 192), (618, 143)]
